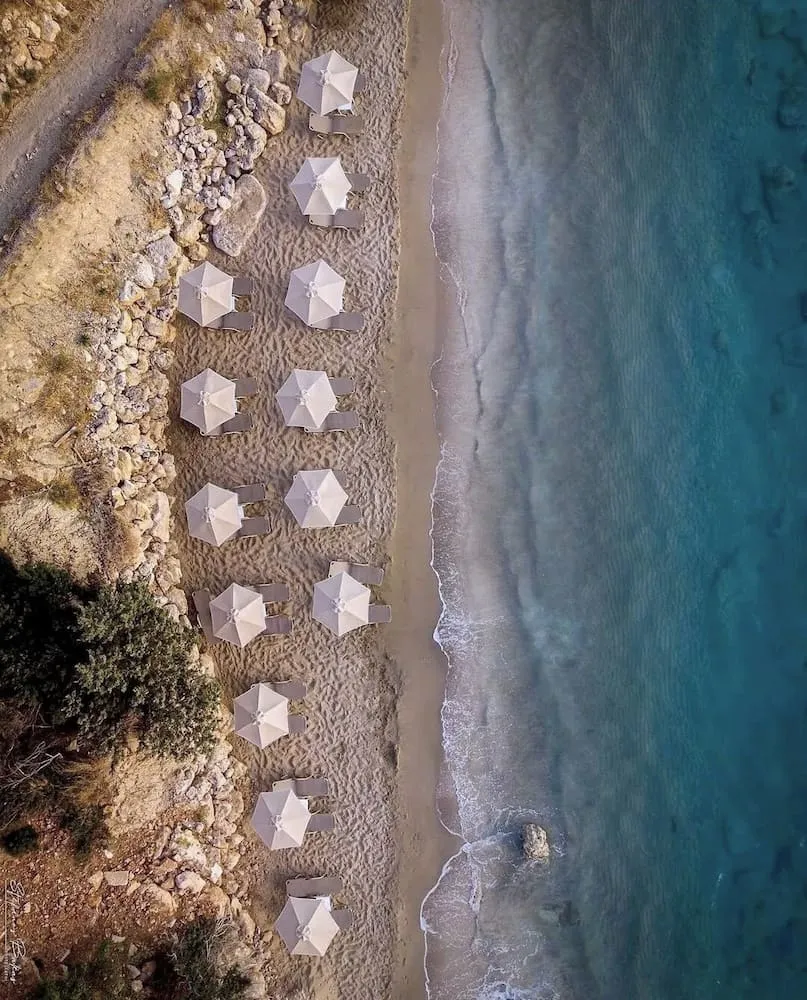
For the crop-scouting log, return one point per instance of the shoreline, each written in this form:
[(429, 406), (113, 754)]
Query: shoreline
[(423, 842)]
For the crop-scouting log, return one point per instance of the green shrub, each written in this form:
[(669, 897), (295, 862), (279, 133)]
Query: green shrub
[(193, 969), (104, 977), (23, 840), (102, 662)]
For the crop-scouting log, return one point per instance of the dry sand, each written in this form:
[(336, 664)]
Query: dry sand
[(360, 734)]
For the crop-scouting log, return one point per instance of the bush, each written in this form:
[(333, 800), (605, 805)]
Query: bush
[(102, 978), (102, 662), (193, 969), (23, 840)]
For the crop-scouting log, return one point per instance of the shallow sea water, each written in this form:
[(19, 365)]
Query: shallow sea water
[(621, 507)]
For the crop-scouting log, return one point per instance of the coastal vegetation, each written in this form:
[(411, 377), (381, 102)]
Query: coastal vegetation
[(83, 669), (192, 966)]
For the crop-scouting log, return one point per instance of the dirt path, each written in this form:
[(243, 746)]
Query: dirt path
[(39, 128)]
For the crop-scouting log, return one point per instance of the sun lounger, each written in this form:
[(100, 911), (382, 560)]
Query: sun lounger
[(349, 514), (243, 285), (321, 823), (370, 576), (253, 526), (306, 788), (342, 386), (277, 625), (359, 182), (245, 387), (236, 425), (306, 888), (379, 614), (341, 478), (360, 83), (343, 218), (296, 724), (343, 918), (339, 420), (201, 601), (273, 593), (234, 321), (336, 125), (346, 322), (254, 493), (293, 690)]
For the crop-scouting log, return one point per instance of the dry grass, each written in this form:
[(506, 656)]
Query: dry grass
[(67, 383)]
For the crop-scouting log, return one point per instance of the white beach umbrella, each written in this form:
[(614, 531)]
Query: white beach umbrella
[(341, 603), (238, 615), (207, 400), (327, 83), (214, 514), (205, 294), (315, 292), (320, 186), (261, 715), (316, 498), (306, 926), (306, 398), (280, 819)]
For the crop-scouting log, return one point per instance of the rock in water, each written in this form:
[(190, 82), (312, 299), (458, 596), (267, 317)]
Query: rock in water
[(249, 204), (535, 843)]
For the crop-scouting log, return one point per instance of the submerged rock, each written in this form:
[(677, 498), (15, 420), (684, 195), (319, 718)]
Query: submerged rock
[(535, 843)]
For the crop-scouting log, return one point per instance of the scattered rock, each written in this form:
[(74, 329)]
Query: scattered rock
[(249, 204), (260, 79), (189, 881), (117, 878)]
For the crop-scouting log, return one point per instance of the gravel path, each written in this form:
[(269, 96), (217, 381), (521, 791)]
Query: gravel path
[(38, 129)]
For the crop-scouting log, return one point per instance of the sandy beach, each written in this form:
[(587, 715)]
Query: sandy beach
[(374, 695)]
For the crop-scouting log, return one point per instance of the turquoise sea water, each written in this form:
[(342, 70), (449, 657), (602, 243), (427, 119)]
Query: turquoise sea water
[(621, 507)]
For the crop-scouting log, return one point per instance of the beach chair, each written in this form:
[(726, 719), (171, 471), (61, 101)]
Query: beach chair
[(308, 888), (359, 182), (234, 320), (277, 625), (235, 425), (253, 526), (254, 493), (305, 788), (293, 690), (274, 593), (346, 322), (296, 724), (244, 285), (342, 386), (246, 387), (360, 84), (201, 601), (379, 614), (321, 823), (336, 124), (339, 420), (349, 514), (343, 218), (343, 918), (370, 576), (341, 478)]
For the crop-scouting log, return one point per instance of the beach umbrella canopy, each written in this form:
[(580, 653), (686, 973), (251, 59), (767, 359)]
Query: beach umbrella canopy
[(316, 498), (205, 294), (341, 603), (214, 514), (261, 715), (238, 615), (280, 819), (320, 186), (307, 926), (315, 292), (207, 400), (306, 398), (327, 83)]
